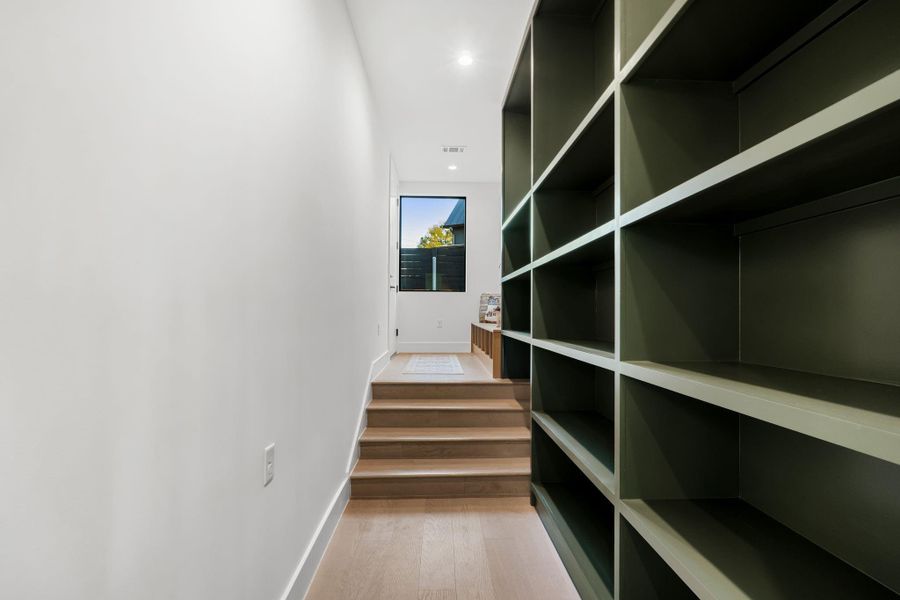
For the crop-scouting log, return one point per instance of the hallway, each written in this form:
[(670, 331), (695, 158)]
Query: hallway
[(441, 549)]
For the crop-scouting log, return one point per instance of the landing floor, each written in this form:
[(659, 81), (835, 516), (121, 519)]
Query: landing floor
[(423, 549), (473, 370)]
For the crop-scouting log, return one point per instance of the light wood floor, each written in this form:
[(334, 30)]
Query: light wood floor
[(473, 370), (441, 549)]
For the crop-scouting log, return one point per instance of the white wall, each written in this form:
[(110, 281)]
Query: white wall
[(419, 312), (193, 201)]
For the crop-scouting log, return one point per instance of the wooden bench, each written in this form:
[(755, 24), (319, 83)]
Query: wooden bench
[(486, 346)]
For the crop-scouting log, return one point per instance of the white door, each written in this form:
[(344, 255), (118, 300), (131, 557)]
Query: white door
[(394, 257)]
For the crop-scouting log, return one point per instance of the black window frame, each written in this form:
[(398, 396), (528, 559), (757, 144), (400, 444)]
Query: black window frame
[(465, 200)]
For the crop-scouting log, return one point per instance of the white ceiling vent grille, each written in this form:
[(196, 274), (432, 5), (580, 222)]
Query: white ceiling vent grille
[(453, 149)]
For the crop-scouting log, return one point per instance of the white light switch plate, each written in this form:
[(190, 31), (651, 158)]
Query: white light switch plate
[(269, 467)]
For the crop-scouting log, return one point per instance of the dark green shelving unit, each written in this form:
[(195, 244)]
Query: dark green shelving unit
[(701, 216)]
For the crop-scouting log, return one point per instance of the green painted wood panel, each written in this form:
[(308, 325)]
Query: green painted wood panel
[(819, 295), (562, 216), (679, 292), (516, 159), (515, 359), (515, 298), (858, 50), (517, 241), (718, 41), (844, 501), (638, 18), (674, 447), (643, 575), (671, 131), (574, 302)]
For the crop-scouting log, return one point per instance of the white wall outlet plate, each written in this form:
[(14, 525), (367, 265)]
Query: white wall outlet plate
[(269, 467), (440, 323)]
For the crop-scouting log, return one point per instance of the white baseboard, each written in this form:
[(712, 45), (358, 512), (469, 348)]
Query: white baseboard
[(434, 347), (303, 575), (375, 368)]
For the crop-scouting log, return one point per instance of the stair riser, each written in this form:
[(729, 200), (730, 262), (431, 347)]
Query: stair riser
[(440, 487), (446, 449), (402, 391), (446, 418)]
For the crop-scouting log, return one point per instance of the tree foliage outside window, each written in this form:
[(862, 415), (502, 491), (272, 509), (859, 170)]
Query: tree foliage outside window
[(436, 237)]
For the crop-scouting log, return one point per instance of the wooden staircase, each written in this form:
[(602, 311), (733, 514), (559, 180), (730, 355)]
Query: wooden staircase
[(445, 440)]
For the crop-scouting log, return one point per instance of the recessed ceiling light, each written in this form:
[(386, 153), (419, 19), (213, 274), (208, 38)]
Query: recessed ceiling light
[(452, 167), (465, 59)]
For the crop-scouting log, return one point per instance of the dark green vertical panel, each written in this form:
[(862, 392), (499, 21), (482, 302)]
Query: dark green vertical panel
[(562, 216), (516, 304), (517, 241), (563, 81), (857, 51), (638, 19), (604, 45), (841, 500), (679, 292), (674, 447), (671, 131), (821, 295), (643, 575), (516, 159), (515, 359), (574, 302), (564, 384)]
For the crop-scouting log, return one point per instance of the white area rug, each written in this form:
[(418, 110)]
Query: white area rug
[(425, 364)]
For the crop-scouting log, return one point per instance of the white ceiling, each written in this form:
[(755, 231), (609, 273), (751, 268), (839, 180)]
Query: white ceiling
[(410, 48)]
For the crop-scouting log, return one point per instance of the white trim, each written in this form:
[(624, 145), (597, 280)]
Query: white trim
[(375, 368), (300, 581), (434, 347)]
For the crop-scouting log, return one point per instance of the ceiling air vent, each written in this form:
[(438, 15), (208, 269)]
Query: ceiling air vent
[(453, 149)]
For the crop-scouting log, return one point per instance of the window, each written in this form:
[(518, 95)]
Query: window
[(432, 244)]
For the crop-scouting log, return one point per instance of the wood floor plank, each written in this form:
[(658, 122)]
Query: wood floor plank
[(473, 576), (504, 562), (436, 570), (432, 549), (437, 594), (400, 574), (332, 579), (542, 567)]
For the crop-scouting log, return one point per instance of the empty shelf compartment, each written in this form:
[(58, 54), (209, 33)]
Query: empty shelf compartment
[(745, 509)]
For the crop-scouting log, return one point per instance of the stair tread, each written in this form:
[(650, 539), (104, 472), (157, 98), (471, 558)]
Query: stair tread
[(375, 468), (485, 404), (444, 434)]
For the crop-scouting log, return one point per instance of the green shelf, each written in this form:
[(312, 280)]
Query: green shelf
[(584, 545), (601, 354), (858, 415), (587, 439), (728, 549)]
